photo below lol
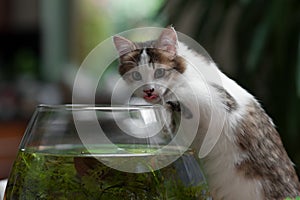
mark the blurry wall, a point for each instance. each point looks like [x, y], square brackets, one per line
[19, 61]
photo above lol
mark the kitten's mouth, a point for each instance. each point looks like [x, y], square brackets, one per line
[150, 97]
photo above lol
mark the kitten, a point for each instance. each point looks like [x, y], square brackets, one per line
[248, 160]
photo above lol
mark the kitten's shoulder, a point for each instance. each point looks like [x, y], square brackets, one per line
[189, 53]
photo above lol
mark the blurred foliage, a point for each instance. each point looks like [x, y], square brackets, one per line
[257, 43]
[133, 13]
[89, 27]
[94, 21]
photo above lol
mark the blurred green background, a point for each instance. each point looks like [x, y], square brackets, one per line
[43, 42]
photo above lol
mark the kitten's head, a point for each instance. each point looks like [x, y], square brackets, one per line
[150, 68]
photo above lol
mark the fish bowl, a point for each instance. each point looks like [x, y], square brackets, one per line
[104, 152]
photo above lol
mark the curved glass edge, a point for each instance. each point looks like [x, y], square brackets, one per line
[30, 125]
[100, 107]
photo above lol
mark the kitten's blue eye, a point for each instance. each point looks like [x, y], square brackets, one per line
[160, 72]
[136, 76]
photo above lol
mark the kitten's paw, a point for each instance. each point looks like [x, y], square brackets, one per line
[174, 106]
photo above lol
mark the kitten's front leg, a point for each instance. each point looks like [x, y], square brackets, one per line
[175, 110]
[176, 106]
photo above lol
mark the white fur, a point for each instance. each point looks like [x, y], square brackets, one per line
[219, 165]
[144, 60]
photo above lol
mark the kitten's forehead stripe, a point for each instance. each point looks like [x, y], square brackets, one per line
[144, 58]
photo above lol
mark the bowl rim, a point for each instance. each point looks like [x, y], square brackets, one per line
[96, 107]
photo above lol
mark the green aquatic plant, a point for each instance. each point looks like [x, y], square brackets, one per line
[45, 176]
[297, 198]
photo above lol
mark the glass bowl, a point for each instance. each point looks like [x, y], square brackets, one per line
[104, 152]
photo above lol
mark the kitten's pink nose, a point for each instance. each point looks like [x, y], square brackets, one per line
[149, 91]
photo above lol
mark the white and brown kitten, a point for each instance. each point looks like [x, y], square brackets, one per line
[248, 161]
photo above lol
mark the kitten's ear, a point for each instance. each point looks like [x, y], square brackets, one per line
[168, 40]
[123, 45]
